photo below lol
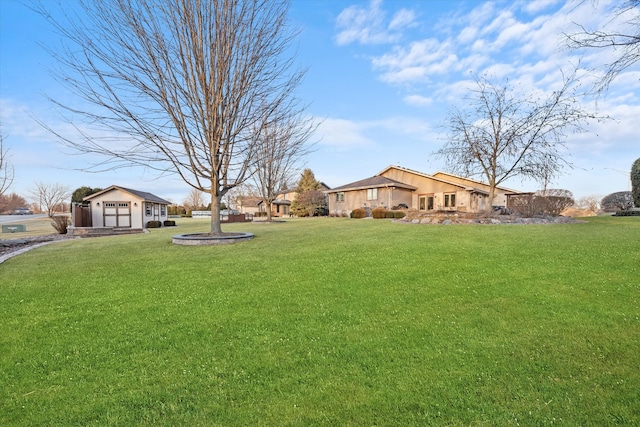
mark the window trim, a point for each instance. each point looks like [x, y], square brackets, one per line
[449, 200]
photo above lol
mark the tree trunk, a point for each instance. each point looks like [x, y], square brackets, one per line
[492, 194]
[216, 228]
[267, 205]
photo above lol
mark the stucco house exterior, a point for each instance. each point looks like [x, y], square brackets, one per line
[248, 204]
[120, 207]
[395, 186]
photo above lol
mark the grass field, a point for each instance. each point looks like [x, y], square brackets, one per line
[327, 322]
[35, 227]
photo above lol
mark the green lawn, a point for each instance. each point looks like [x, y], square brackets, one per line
[327, 321]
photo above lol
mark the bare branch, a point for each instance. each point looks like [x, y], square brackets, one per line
[502, 135]
[622, 47]
[7, 172]
[177, 86]
[50, 197]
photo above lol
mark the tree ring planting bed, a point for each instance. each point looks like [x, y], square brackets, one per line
[200, 239]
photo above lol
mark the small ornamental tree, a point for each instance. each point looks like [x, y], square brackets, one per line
[614, 202]
[635, 182]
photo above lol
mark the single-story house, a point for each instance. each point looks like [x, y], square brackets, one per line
[282, 204]
[397, 186]
[248, 204]
[121, 207]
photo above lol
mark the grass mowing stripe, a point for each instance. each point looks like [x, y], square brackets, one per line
[327, 321]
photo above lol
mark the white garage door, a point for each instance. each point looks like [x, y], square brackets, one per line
[117, 214]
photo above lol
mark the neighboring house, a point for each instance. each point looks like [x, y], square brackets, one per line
[248, 204]
[395, 186]
[121, 207]
[281, 206]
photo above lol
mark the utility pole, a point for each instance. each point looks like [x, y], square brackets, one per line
[627, 174]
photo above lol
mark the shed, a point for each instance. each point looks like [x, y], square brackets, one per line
[121, 207]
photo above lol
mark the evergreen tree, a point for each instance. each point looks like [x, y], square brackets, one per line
[635, 182]
[82, 192]
[307, 182]
[309, 201]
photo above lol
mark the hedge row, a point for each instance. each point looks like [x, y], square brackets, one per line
[377, 213]
[627, 213]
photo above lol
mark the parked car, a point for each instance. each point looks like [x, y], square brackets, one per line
[23, 211]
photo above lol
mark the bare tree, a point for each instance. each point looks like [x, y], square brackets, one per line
[621, 43]
[282, 142]
[11, 202]
[50, 196]
[502, 135]
[6, 170]
[194, 200]
[590, 203]
[182, 84]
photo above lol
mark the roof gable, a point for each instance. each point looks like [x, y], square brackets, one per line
[424, 175]
[146, 197]
[373, 182]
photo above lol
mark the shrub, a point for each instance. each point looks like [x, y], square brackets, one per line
[389, 214]
[634, 212]
[613, 202]
[154, 224]
[399, 214]
[358, 213]
[379, 213]
[554, 201]
[60, 223]
[549, 202]
[169, 223]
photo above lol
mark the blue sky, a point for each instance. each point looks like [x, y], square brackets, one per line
[382, 76]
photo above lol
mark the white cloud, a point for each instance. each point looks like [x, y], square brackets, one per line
[367, 25]
[402, 19]
[342, 134]
[418, 100]
[534, 7]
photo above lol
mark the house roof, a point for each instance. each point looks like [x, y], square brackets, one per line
[146, 197]
[277, 202]
[373, 182]
[505, 189]
[438, 176]
[248, 201]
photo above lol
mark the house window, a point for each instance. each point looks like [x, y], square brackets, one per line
[163, 210]
[340, 197]
[425, 203]
[147, 209]
[109, 205]
[450, 200]
[372, 194]
[123, 205]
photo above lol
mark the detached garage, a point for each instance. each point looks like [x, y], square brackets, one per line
[119, 207]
